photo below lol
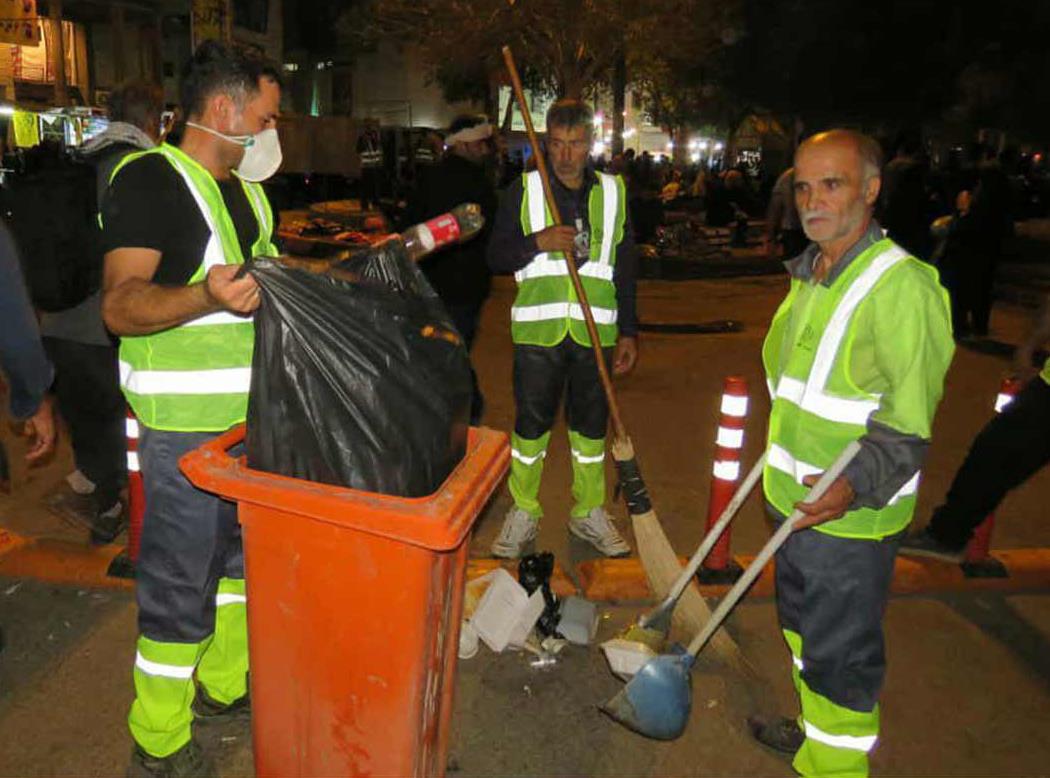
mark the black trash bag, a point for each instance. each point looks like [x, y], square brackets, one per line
[534, 572]
[360, 378]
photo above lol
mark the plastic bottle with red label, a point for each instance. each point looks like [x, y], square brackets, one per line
[461, 223]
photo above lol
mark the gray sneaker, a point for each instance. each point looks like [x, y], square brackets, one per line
[80, 483]
[598, 530]
[519, 529]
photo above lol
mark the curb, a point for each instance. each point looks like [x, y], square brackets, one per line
[77, 564]
[61, 562]
[600, 580]
[616, 580]
[561, 584]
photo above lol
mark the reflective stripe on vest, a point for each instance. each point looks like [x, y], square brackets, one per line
[820, 403]
[541, 268]
[560, 311]
[800, 446]
[811, 395]
[542, 264]
[780, 459]
[546, 308]
[231, 380]
[371, 158]
[195, 377]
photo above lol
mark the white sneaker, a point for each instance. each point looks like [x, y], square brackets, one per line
[519, 529]
[598, 530]
[80, 483]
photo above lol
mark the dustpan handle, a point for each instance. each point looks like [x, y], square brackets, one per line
[712, 536]
[772, 546]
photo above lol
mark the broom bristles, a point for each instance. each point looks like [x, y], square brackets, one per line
[662, 568]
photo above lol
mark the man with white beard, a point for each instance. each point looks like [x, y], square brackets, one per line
[857, 351]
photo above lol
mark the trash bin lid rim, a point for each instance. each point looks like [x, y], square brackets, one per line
[439, 521]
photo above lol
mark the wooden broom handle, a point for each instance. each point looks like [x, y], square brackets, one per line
[588, 316]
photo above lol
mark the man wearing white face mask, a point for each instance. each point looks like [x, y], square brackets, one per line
[177, 224]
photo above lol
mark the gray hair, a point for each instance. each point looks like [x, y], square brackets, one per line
[570, 113]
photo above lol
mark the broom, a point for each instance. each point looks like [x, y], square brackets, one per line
[658, 559]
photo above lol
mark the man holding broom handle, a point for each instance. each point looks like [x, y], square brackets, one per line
[857, 351]
[553, 353]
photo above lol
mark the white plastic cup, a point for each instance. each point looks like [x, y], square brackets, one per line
[468, 640]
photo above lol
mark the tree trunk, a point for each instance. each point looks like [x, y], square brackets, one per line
[619, 90]
[679, 137]
[573, 90]
[571, 86]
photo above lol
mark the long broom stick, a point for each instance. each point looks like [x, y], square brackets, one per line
[654, 550]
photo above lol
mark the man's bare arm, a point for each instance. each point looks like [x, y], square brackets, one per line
[133, 305]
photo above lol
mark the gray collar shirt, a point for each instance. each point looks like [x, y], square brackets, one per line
[801, 267]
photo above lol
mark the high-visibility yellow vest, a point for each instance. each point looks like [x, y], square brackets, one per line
[195, 377]
[372, 155]
[813, 354]
[546, 307]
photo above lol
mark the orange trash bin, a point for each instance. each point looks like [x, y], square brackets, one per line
[354, 607]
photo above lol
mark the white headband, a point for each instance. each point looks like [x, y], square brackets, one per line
[468, 134]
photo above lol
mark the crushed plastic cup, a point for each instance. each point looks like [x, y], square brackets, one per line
[468, 641]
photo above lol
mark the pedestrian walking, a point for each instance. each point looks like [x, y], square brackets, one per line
[87, 383]
[1011, 448]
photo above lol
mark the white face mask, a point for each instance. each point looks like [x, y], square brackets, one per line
[262, 152]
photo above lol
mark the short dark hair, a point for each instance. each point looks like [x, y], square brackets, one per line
[139, 103]
[215, 67]
[570, 113]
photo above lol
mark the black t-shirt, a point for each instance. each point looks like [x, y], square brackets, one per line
[148, 205]
[459, 274]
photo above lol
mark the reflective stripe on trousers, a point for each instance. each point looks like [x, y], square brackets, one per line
[588, 473]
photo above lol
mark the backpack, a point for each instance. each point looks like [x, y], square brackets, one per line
[52, 211]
